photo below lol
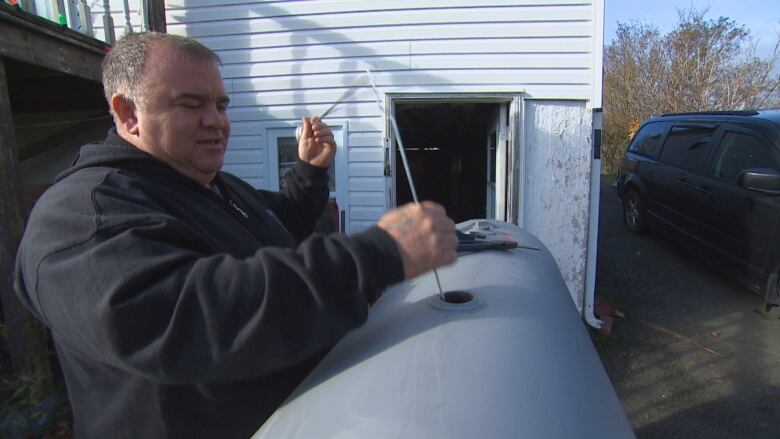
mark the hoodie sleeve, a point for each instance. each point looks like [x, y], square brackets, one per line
[147, 295]
[300, 204]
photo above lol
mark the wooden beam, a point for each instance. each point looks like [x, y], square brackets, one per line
[71, 133]
[11, 221]
[37, 41]
[26, 337]
[157, 16]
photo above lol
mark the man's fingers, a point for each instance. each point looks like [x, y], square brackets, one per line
[306, 131]
[321, 132]
[424, 234]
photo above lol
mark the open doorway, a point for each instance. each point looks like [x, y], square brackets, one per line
[455, 155]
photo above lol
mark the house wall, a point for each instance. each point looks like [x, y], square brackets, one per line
[283, 60]
[557, 184]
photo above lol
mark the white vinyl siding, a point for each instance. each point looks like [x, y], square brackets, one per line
[283, 60]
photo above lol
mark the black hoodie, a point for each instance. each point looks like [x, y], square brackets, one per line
[179, 311]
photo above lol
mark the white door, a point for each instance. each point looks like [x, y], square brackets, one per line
[496, 150]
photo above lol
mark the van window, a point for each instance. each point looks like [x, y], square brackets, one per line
[648, 140]
[739, 151]
[687, 147]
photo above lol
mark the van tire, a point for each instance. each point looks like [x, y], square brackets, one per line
[634, 212]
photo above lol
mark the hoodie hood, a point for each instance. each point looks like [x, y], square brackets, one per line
[113, 151]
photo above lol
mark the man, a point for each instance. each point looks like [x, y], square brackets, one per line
[182, 302]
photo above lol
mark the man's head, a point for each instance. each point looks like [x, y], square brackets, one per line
[167, 98]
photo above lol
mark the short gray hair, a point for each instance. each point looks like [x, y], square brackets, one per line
[123, 66]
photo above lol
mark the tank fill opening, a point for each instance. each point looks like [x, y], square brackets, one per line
[458, 297]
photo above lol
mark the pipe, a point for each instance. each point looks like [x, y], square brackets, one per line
[593, 225]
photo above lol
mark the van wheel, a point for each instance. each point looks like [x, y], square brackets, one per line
[634, 212]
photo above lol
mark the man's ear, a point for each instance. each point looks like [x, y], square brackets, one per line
[125, 111]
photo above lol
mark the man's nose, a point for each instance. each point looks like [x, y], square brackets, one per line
[214, 117]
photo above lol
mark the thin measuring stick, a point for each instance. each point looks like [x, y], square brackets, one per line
[350, 90]
[401, 148]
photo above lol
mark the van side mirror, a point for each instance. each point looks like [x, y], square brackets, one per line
[761, 180]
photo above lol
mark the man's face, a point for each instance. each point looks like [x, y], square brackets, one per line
[183, 121]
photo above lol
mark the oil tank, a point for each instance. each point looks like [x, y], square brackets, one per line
[507, 356]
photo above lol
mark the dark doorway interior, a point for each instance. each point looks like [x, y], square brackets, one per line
[446, 147]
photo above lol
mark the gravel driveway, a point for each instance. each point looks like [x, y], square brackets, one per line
[691, 358]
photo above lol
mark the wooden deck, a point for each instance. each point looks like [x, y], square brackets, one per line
[46, 72]
[28, 38]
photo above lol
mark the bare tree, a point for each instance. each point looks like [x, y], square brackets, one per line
[700, 65]
[632, 73]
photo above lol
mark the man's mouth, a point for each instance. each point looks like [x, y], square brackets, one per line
[214, 141]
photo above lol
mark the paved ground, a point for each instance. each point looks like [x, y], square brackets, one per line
[691, 359]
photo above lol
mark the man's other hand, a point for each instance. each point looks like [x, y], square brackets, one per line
[316, 145]
[425, 236]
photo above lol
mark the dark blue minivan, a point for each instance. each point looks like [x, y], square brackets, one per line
[711, 182]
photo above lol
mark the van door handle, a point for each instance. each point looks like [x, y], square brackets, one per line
[683, 182]
[703, 189]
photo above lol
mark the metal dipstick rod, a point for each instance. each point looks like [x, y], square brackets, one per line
[397, 133]
[350, 90]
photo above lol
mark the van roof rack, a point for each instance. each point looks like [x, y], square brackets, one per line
[719, 113]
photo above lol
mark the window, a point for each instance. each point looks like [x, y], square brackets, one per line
[287, 152]
[740, 151]
[648, 140]
[287, 155]
[281, 151]
[687, 147]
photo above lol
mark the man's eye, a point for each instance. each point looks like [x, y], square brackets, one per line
[189, 104]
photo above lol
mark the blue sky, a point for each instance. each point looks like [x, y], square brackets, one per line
[761, 17]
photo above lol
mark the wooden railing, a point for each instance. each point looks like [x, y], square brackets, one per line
[81, 15]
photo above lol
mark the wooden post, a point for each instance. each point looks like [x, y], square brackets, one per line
[25, 335]
[108, 24]
[157, 16]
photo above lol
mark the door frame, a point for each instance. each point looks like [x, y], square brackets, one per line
[512, 155]
[490, 190]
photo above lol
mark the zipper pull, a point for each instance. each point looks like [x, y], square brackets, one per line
[238, 209]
